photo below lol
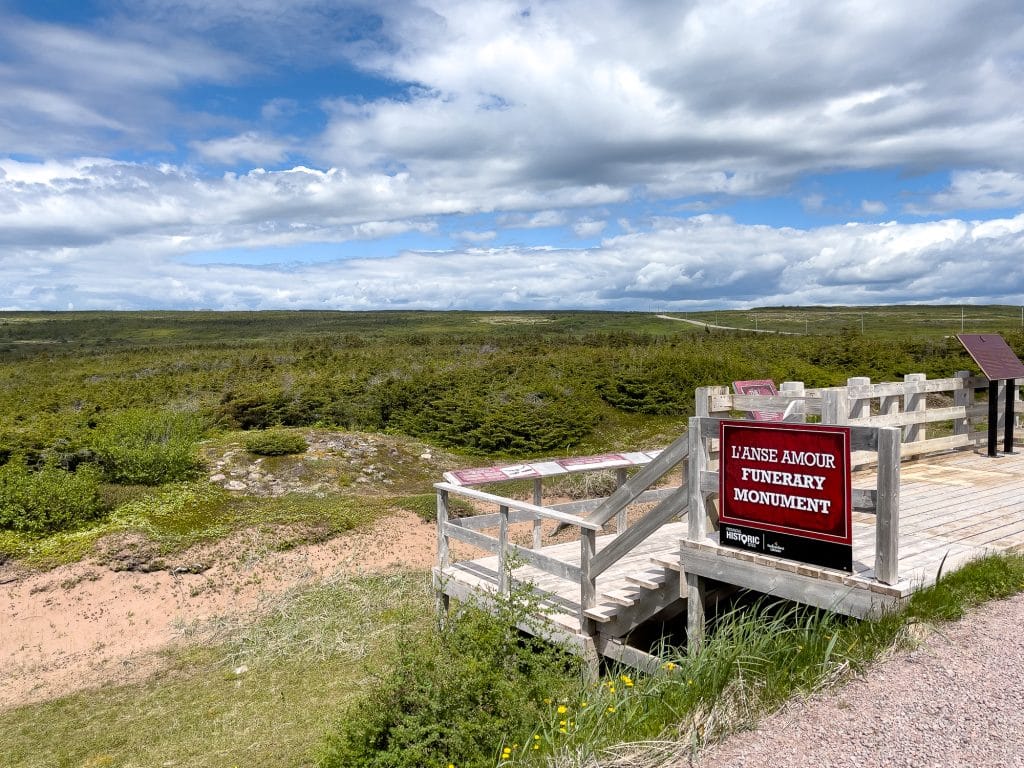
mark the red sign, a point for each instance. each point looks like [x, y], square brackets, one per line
[784, 487]
[759, 387]
[481, 475]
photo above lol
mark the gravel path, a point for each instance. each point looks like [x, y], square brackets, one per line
[957, 700]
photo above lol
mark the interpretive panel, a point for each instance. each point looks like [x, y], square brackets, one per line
[759, 387]
[785, 491]
[993, 355]
[550, 468]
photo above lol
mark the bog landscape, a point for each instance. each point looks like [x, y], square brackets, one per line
[217, 528]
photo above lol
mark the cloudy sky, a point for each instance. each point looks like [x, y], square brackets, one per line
[435, 154]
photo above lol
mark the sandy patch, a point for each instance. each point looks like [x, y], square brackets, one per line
[85, 625]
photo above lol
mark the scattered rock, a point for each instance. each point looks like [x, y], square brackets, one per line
[235, 485]
[129, 552]
[194, 568]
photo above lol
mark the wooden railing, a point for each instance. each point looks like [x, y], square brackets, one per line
[638, 489]
[902, 404]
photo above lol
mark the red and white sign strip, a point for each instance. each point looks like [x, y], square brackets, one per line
[785, 491]
[497, 474]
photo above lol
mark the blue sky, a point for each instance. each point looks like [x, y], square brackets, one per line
[606, 154]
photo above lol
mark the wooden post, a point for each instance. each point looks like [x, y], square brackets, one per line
[538, 499]
[860, 407]
[1009, 387]
[795, 389]
[443, 547]
[503, 575]
[887, 511]
[835, 408]
[963, 398]
[914, 399]
[588, 583]
[697, 528]
[993, 418]
[621, 517]
[696, 620]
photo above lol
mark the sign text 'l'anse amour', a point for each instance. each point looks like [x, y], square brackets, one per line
[785, 491]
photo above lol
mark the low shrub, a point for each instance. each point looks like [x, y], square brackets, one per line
[275, 442]
[48, 500]
[146, 447]
[453, 696]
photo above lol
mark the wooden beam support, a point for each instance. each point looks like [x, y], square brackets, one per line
[887, 522]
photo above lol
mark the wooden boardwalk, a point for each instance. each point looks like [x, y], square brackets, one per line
[954, 508]
[926, 501]
[650, 568]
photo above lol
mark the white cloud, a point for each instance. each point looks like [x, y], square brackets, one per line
[688, 98]
[586, 227]
[537, 220]
[250, 147]
[470, 236]
[66, 90]
[683, 262]
[531, 120]
[978, 189]
[814, 202]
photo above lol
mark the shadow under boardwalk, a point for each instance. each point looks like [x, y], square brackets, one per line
[640, 586]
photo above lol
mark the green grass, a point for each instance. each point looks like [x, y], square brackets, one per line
[178, 516]
[303, 662]
[269, 693]
[754, 661]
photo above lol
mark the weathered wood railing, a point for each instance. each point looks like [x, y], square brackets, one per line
[671, 502]
[902, 404]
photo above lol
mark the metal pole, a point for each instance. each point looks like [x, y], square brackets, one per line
[993, 418]
[1011, 386]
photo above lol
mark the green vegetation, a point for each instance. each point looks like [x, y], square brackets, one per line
[145, 447]
[107, 421]
[454, 694]
[275, 442]
[258, 694]
[464, 695]
[319, 679]
[49, 499]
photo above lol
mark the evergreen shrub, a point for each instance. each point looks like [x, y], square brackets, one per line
[144, 447]
[454, 695]
[275, 442]
[48, 500]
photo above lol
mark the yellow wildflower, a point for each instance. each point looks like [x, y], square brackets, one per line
[562, 709]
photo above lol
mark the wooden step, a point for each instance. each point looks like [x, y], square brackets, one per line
[602, 613]
[624, 597]
[668, 561]
[649, 579]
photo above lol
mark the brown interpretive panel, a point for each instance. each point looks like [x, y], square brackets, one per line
[993, 355]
